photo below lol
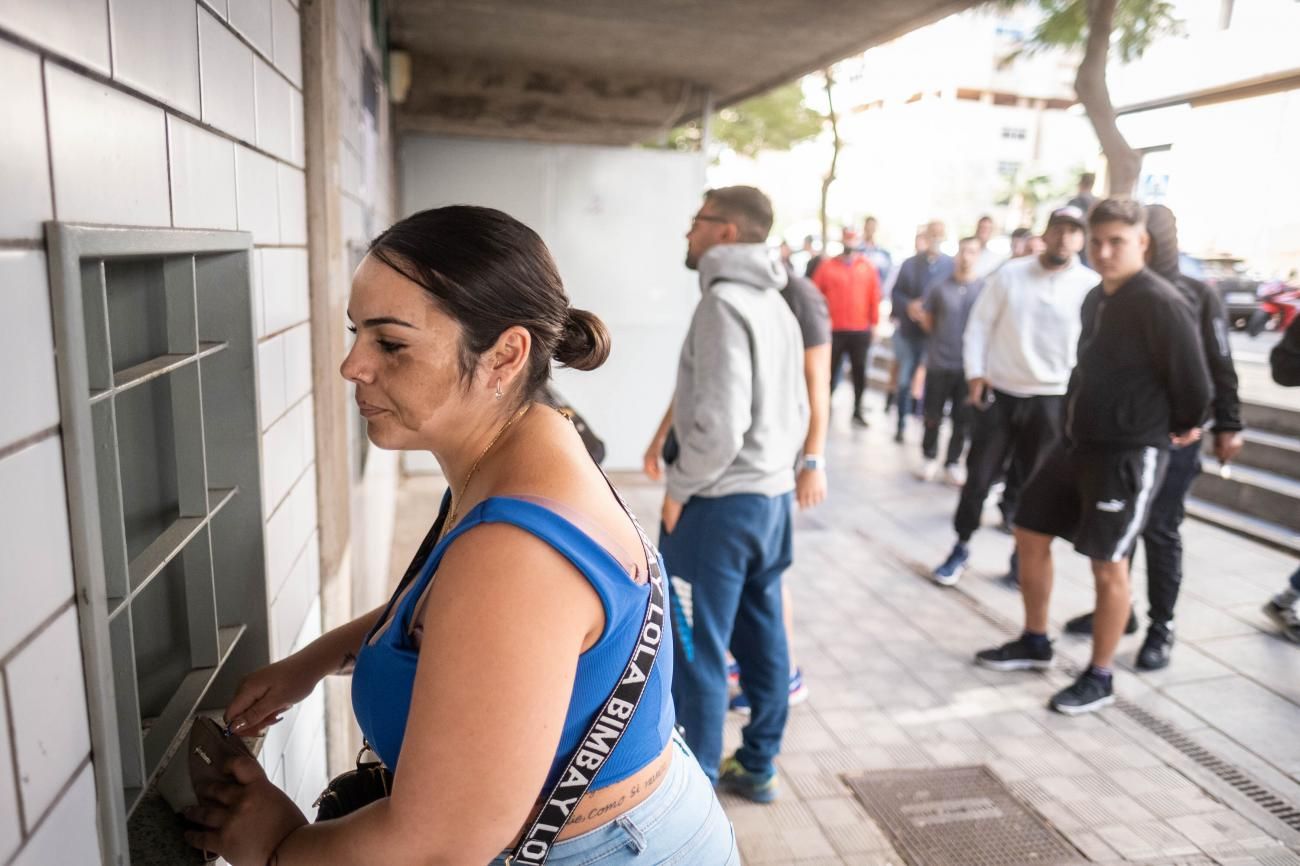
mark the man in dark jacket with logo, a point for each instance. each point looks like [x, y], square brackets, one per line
[1140, 384]
[1161, 539]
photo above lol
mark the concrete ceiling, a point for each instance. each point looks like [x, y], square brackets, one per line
[620, 71]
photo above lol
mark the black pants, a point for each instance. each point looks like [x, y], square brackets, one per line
[856, 344]
[943, 387]
[1022, 428]
[1163, 543]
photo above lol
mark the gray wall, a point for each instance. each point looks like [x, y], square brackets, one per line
[615, 219]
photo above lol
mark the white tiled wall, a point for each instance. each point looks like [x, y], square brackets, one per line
[207, 133]
[271, 89]
[252, 18]
[257, 195]
[202, 177]
[226, 71]
[11, 832]
[33, 404]
[51, 733]
[108, 150]
[67, 834]
[25, 169]
[76, 29]
[171, 75]
[34, 529]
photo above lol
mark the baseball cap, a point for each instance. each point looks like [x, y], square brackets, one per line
[1069, 214]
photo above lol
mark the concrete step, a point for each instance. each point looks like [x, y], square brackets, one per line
[1271, 419]
[1252, 492]
[1263, 531]
[1272, 452]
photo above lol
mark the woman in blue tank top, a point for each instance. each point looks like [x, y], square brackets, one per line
[481, 677]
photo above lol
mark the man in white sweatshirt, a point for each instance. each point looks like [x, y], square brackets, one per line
[1018, 351]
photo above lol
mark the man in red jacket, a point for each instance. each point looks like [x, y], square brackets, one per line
[852, 289]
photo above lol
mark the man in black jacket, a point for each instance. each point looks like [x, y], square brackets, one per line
[1140, 383]
[1161, 539]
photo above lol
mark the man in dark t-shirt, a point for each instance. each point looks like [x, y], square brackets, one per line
[945, 311]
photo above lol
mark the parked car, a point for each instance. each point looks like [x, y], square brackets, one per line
[1230, 277]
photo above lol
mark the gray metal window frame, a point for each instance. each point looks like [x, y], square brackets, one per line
[196, 265]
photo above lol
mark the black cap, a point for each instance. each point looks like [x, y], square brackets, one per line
[1068, 214]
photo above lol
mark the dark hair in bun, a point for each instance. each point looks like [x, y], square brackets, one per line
[585, 344]
[490, 272]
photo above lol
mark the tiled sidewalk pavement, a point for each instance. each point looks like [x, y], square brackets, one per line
[887, 655]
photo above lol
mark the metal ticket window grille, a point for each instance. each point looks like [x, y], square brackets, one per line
[156, 362]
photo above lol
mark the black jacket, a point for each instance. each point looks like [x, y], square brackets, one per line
[1207, 306]
[1141, 373]
[1285, 357]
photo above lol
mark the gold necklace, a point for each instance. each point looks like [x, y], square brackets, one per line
[455, 504]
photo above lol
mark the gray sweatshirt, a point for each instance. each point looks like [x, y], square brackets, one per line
[741, 408]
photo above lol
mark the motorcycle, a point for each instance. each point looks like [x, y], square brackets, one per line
[1279, 303]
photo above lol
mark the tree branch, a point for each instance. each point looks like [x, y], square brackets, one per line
[835, 152]
[1123, 162]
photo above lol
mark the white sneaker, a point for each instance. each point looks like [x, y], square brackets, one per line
[954, 474]
[929, 470]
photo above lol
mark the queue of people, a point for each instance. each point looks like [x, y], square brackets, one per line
[599, 736]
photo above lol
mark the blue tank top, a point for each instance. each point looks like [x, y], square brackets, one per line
[384, 673]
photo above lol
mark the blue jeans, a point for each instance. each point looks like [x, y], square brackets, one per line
[1295, 580]
[910, 354]
[681, 822]
[725, 559]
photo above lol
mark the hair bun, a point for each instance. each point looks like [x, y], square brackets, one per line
[585, 344]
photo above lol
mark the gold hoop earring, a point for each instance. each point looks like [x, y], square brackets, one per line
[499, 395]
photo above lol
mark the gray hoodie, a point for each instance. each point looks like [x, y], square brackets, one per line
[740, 412]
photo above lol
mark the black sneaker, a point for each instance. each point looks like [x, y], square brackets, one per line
[1082, 624]
[859, 420]
[1159, 642]
[1019, 655]
[1088, 694]
[898, 436]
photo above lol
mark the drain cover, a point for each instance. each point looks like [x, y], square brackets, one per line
[959, 816]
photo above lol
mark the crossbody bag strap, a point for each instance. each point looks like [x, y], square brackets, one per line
[606, 731]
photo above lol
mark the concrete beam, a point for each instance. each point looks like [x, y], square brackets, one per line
[478, 98]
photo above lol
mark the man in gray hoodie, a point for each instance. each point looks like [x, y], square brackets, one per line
[739, 417]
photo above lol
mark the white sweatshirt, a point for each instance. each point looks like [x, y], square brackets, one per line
[1023, 331]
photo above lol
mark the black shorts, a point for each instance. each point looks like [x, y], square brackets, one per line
[1099, 500]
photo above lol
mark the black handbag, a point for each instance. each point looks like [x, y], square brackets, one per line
[369, 782]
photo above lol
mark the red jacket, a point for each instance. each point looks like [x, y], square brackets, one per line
[852, 290]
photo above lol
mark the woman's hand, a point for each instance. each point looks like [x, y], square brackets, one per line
[267, 692]
[246, 819]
